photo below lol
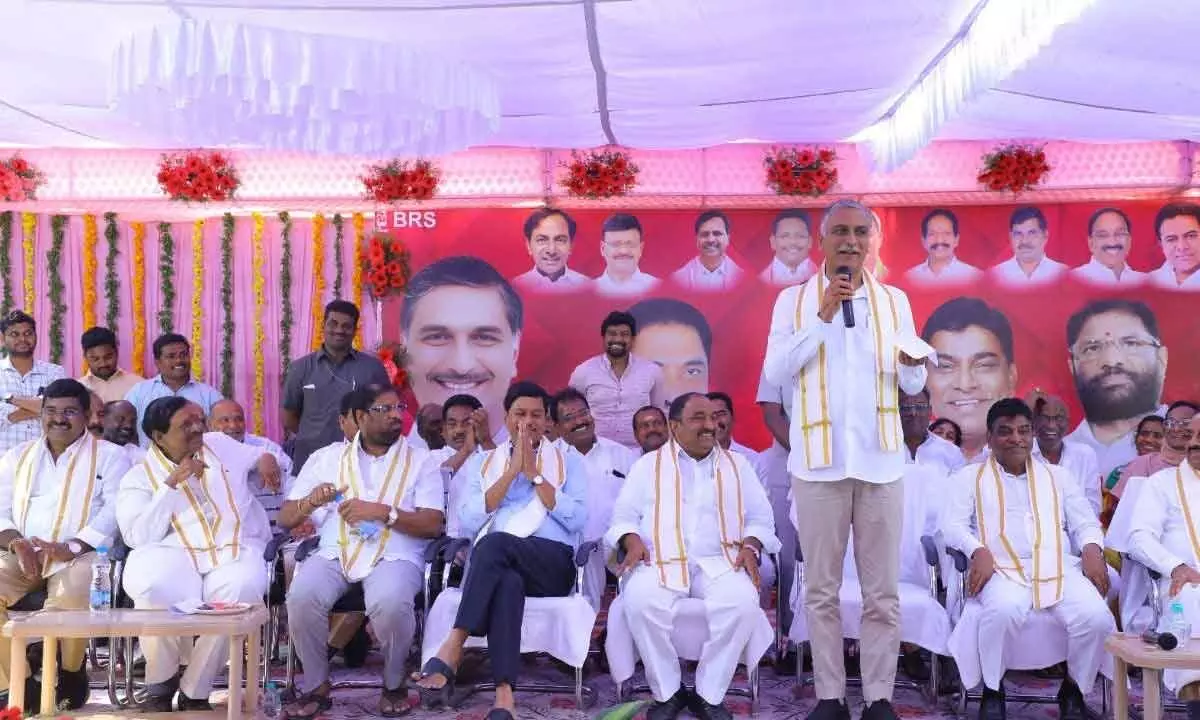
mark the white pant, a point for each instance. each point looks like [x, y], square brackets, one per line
[1190, 597]
[1002, 609]
[157, 577]
[732, 606]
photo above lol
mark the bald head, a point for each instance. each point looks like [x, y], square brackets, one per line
[120, 423]
[228, 417]
[429, 425]
[1051, 419]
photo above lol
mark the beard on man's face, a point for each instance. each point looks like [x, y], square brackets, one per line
[1104, 404]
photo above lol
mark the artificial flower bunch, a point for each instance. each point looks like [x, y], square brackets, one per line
[19, 180]
[1014, 167]
[600, 174]
[801, 171]
[399, 180]
[198, 176]
[386, 266]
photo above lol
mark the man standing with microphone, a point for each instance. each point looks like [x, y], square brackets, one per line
[844, 344]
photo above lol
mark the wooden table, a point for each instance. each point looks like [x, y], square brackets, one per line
[243, 630]
[1130, 650]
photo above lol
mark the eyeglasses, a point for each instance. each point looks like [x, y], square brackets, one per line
[912, 410]
[65, 413]
[577, 415]
[1176, 423]
[1126, 346]
[387, 409]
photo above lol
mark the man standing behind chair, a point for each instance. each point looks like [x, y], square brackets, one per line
[616, 382]
[847, 449]
[21, 379]
[526, 502]
[707, 542]
[104, 377]
[173, 356]
[197, 535]
[228, 417]
[315, 383]
[393, 505]
[1028, 567]
[711, 270]
[57, 505]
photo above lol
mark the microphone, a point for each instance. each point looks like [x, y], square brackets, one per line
[1164, 640]
[847, 305]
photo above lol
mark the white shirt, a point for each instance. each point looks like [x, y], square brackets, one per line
[639, 283]
[134, 453]
[535, 282]
[424, 490]
[49, 479]
[1164, 277]
[755, 458]
[269, 499]
[850, 355]
[1009, 272]
[940, 452]
[694, 276]
[634, 510]
[1080, 461]
[453, 482]
[1095, 273]
[607, 466]
[956, 272]
[1111, 455]
[1159, 536]
[960, 527]
[780, 275]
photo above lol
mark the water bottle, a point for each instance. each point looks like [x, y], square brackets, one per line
[1177, 623]
[366, 530]
[272, 703]
[100, 597]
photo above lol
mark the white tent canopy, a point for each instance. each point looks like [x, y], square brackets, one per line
[653, 74]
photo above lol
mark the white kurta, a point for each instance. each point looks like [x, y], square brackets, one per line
[535, 282]
[1003, 608]
[1160, 538]
[734, 619]
[956, 272]
[1100, 275]
[940, 452]
[639, 283]
[1010, 273]
[1080, 461]
[1164, 277]
[694, 276]
[779, 274]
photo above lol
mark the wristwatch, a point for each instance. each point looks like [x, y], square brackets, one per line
[538, 479]
[8, 398]
[393, 516]
[75, 547]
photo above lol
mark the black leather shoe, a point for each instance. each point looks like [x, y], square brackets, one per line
[670, 708]
[72, 690]
[1071, 705]
[703, 710]
[156, 704]
[1193, 709]
[991, 705]
[187, 703]
[879, 710]
[830, 710]
[912, 662]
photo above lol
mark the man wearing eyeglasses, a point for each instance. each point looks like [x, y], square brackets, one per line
[1109, 241]
[57, 504]
[621, 247]
[21, 379]
[1119, 364]
[375, 504]
[923, 446]
[1176, 436]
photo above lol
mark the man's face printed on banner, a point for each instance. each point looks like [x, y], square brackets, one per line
[550, 245]
[622, 251]
[791, 241]
[972, 374]
[1110, 241]
[1028, 241]
[678, 349]
[1118, 368]
[712, 240]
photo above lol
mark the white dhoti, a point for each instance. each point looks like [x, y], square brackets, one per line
[158, 576]
[733, 615]
[1190, 597]
[985, 640]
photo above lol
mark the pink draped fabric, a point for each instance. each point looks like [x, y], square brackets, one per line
[303, 286]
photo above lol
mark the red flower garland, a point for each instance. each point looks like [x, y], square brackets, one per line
[386, 266]
[19, 180]
[401, 180]
[600, 174]
[198, 176]
[1014, 167]
[394, 357]
[801, 172]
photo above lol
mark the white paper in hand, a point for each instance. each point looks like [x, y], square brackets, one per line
[916, 348]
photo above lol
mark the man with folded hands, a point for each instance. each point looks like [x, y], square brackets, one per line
[376, 503]
[693, 520]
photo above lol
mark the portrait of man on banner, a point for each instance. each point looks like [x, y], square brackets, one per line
[675, 335]
[549, 240]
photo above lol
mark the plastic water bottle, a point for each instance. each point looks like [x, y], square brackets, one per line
[366, 530]
[100, 597]
[1178, 625]
[272, 703]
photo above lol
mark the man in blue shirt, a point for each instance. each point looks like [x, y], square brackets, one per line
[525, 501]
[173, 357]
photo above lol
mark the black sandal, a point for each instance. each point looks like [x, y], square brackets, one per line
[396, 703]
[321, 703]
[432, 698]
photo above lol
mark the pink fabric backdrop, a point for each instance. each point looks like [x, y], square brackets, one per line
[243, 295]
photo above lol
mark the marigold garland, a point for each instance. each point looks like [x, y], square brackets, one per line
[1013, 167]
[6, 236]
[318, 271]
[339, 247]
[139, 297]
[227, 227]
[803, 171]
[197, 298]
[356, 271]
[286, 313]
[260, 333]
[58, 308]
[112, 281]
[166, 275]
[91, 235]
[600, 174]
[28, 243]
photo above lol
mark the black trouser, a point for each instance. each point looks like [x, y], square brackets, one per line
[504, 570]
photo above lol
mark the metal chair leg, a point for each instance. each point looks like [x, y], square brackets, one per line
[752, 677]
[579, 688]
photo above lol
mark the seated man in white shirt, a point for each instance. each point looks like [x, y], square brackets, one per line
[376, 505]
[1051, 423]
[924, 446]
[700, 546]
[650, 428]
[120, 429]
[70, 475]
[197, 535]
[1017, 518]
[228, 417]
[1162, 537]
[465, 432]
[607, 464]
